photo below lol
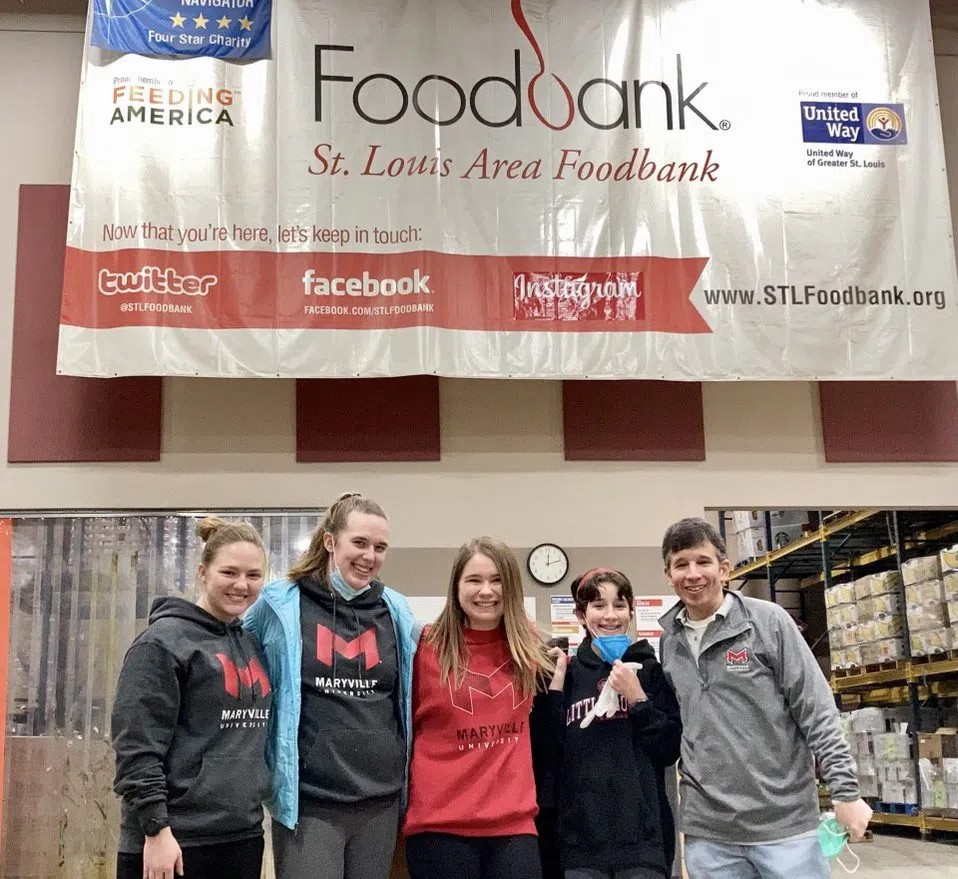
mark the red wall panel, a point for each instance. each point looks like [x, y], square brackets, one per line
[889, 422]
[633, 421]
[54, 418]
[368, 419]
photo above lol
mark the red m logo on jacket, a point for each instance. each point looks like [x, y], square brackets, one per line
[234, 676]
[491, 685]
[364, 645]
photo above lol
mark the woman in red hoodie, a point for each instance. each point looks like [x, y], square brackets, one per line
[472, 794]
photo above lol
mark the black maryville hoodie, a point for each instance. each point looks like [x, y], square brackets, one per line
[189, 729]
[611, 802]
[350, 745]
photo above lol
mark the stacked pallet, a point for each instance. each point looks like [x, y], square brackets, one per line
[884, 759]
[931, 597]
[866, 620]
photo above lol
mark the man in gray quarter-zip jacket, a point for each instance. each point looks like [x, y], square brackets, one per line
[756, 712]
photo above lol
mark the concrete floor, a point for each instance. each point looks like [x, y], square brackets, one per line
[903, 857]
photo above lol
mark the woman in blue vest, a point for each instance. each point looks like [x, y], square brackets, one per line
[339, 649]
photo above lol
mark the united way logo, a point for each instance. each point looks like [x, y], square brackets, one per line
[737, 660]
[841, 122]
[884, 124]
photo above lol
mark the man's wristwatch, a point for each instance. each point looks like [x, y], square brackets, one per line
[152, 826]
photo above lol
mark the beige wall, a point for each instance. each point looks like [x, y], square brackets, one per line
[426, 572]
[230, 444]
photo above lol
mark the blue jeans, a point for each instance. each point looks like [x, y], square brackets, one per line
[705, 859]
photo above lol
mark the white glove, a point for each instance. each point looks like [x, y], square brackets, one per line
[608, 702]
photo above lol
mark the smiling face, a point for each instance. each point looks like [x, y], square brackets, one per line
[232, 580]
[480, 593]
[359, 550]
[608, 613]
[698, 578]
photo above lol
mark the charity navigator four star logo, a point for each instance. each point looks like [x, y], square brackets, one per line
[221, 28]
[200, 22]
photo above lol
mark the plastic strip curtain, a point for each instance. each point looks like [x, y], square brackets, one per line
[81, 589]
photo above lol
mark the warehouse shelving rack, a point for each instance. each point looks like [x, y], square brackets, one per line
[851, 544]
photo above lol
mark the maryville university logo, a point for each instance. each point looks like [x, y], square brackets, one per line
[248, 677]
[491, 686]
[363, 645]
[737, 660]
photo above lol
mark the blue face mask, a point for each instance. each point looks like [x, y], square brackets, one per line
[611, 647]
[343, 589]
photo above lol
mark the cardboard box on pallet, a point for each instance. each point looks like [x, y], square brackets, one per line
[886, 650]
[928, 590]
[868, 720]
[841, 614]
[949, 769]
[892, 792]
[890, 603]
[948, 559]
[892, 747]
[937, 745]
[868, 786]
[753, 542]
[861, 743]
[840, 593]
[862, 588]
[905, 772]
[921, 569]
[929, 614]
[888, 625]
[884, 583]
[949, 585]
[847, 657]
[932, 642]
[743, 519]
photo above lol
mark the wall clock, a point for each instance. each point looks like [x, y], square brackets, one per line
[548, 564]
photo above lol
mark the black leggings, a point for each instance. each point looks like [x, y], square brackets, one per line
[446, 856]
[226, 860]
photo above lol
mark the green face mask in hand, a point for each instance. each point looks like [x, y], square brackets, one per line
[833, 839]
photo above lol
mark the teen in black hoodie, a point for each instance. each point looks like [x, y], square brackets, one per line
[611, 801]
[189, 725]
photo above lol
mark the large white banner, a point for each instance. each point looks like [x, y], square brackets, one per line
[677, 189]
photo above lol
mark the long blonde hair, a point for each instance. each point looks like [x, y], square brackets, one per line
[530, 658]
[315, 560]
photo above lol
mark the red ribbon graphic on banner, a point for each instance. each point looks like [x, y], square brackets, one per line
[248, 289]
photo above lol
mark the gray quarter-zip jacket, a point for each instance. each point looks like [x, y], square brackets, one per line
[756, 709]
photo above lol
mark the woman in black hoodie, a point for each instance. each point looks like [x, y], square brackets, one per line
[611, 805]
[189, 724]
